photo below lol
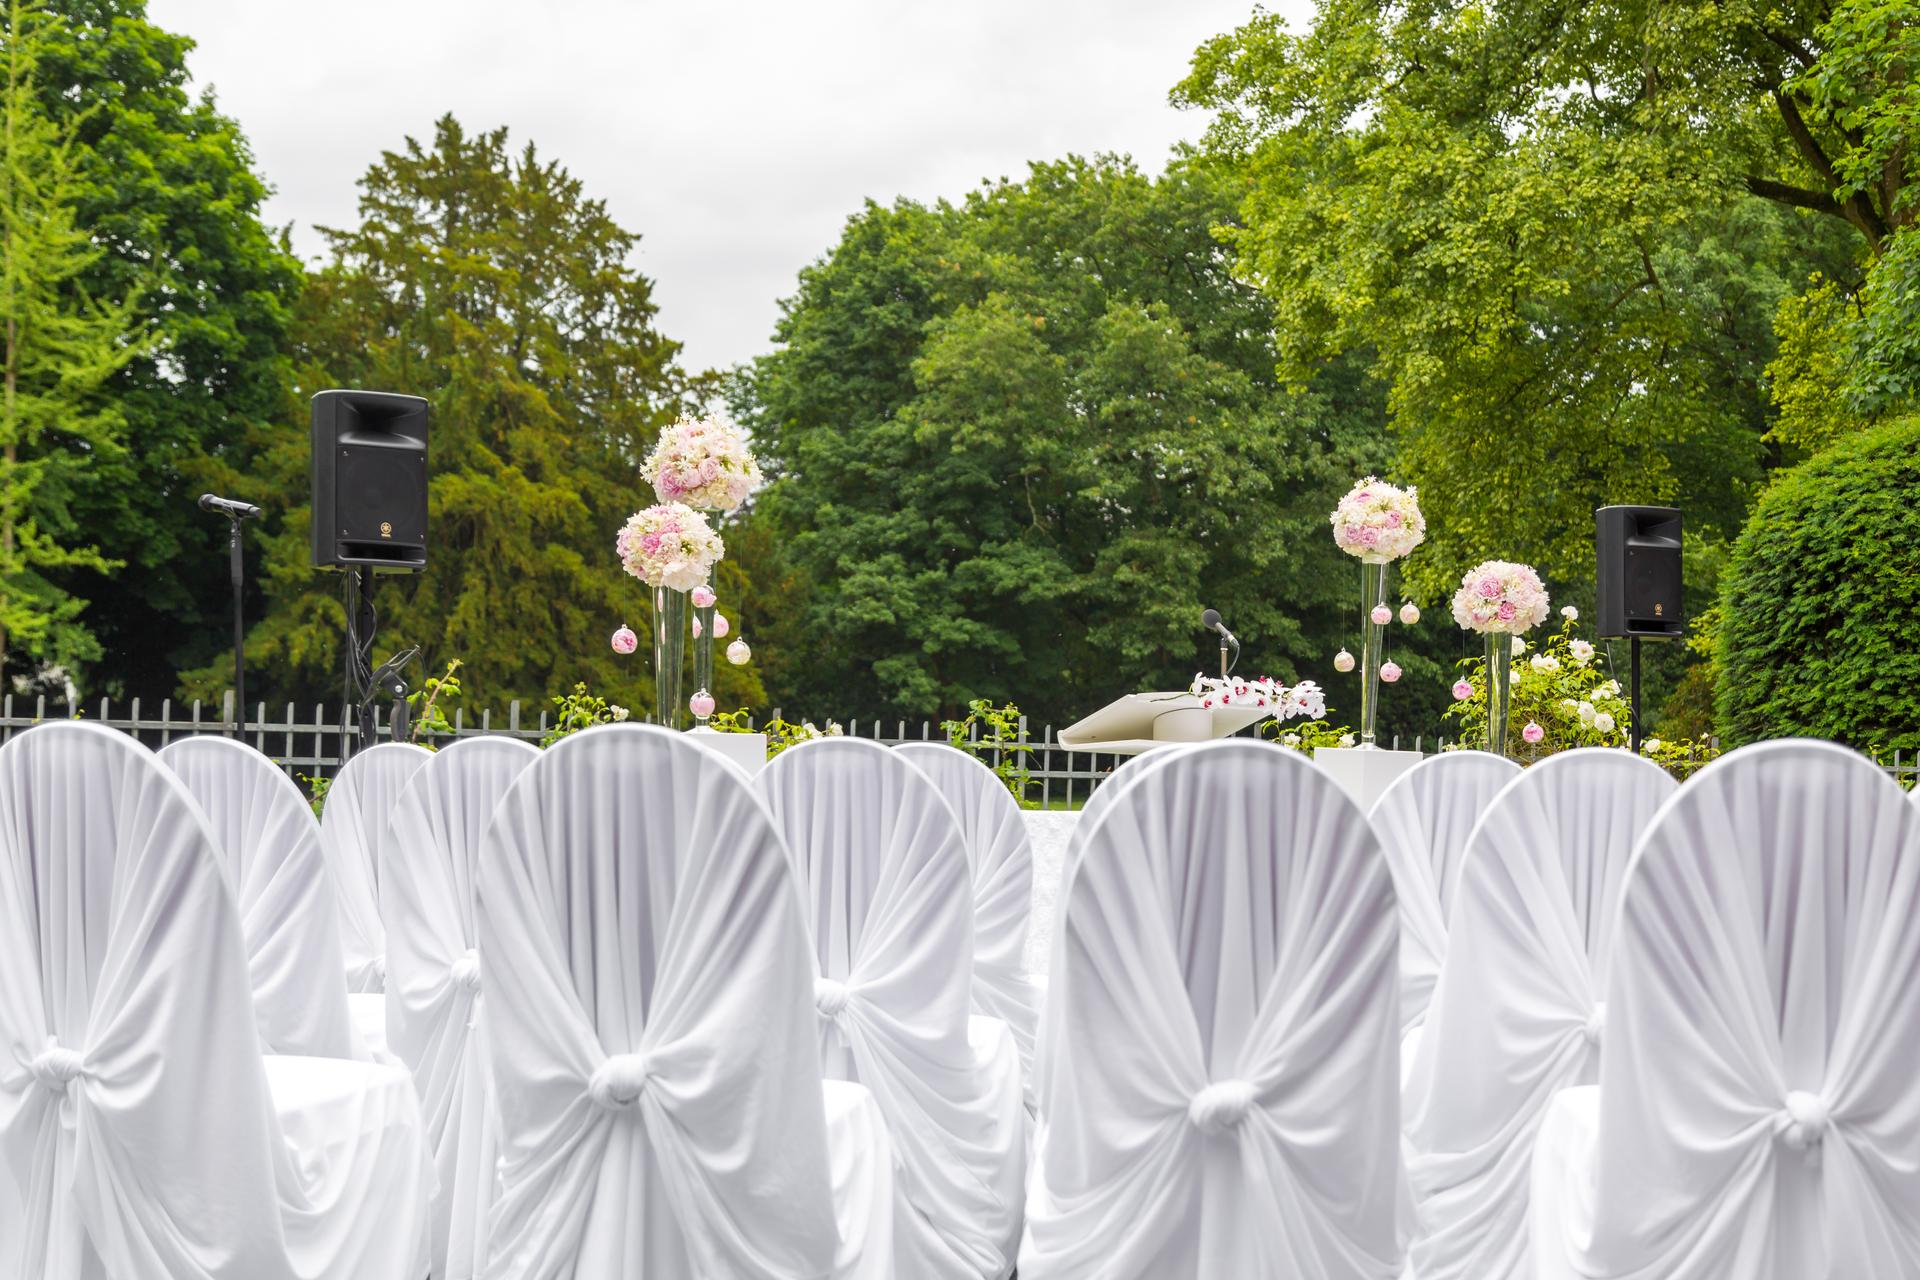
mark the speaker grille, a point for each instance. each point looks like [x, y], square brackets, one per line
[380, 496]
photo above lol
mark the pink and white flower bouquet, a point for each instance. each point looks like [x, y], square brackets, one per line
[702, 462]
[1499, 596]
[1285, 702]
[670, 545]
[1378, 522]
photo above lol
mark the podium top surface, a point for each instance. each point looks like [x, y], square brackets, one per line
[1140, 722]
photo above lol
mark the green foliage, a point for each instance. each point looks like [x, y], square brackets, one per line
[1016, 441]
[428, 704]
[60, 348]
[486, 279]
[1307, 736]
[1817, 636]
[1563, 685]
[167, 194]
[1560, 231]
[579, 710]
[317, 789]
[1681, 757]
[996, 737]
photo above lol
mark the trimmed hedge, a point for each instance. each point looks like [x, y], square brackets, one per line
[1821, 629]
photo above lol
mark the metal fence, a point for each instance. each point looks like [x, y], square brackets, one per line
[311, 742]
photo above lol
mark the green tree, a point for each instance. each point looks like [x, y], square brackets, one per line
[1563, 229]
[488, 281]
[1017, 442]
[1816, 630]
[62, 346]
[166, 190]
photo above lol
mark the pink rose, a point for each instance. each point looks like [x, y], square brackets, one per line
[1489, 587]
[1507, 611]
[1393, 519]
[1370, 537]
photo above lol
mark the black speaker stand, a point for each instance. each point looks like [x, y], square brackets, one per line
[1636, 735]
[362, 624]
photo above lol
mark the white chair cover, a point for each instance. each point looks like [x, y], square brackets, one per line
[353, 827]
[269, 844]
[651, 1032]
[1222, 1098]
[136, 1114]
[996, 840]
[1757, 1116]
[1516, 1015]
[884, 886]
[1423, 819]
[428, 868]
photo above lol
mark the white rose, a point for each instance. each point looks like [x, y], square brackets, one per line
[1607, 689]
[619, 712]
[1586, 713]
[1581, 650]
[1651, 745]
[1292, 739]
[1519, 646]
[1346, 739]
[1603, 722]
[833, 729]
[1570, 613]
[1545, 662]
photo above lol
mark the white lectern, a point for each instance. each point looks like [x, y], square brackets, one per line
[1142, 721]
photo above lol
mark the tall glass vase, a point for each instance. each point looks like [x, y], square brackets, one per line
[703, 655]
[669, 655]
[1499, 686]
[1373, 594]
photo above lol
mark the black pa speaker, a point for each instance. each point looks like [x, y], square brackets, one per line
[369, 480]
[1639, 589]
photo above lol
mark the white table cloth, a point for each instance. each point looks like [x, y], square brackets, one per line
[1517, 1014]
[353, 827]
[885, 888]
[1757, 1116]
[136, 1114]
[650, 1025]
[1221, 1091]
[269, 844]
[996, 840]
[428, 869]
[1423, 820]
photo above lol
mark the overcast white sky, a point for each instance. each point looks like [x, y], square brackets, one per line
[736, 138]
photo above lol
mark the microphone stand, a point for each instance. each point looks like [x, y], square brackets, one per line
[236, 558]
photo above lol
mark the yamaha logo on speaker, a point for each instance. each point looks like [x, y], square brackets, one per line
[386, 528]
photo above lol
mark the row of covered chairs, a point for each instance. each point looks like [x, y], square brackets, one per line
[664, 1021]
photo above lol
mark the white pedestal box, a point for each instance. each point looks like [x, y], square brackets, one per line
[1364, 772]
[748, 750]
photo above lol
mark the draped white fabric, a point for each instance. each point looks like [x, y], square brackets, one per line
[136, 1115]
[269, 843]
[884, 884]
[1423, 819]
[353, 826]
[1756, 1116]
[996, 842]
[1517, 1015]
[427, 894]
[650, 1026]
[1221, 1031]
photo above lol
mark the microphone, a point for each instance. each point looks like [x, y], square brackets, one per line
[1210, 619]
[229, 508]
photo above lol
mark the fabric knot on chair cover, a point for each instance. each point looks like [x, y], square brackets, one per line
[465, 971]
[1595, 1024]
[56, 1066]
[617, 1082]
[830, 997]
[1805, 1119]
[1220, 1106]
